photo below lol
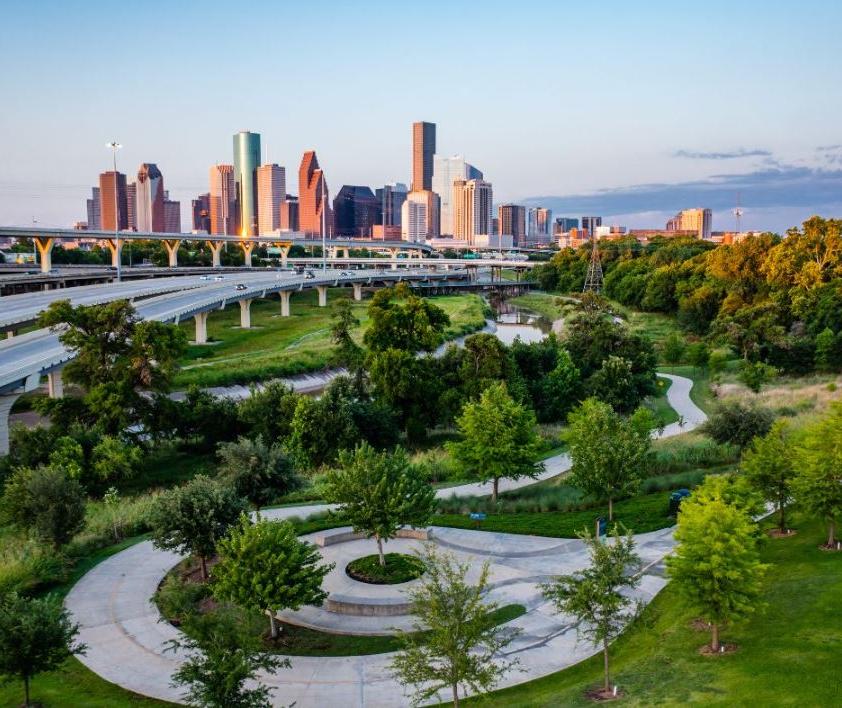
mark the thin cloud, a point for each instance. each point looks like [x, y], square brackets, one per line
[742, 152]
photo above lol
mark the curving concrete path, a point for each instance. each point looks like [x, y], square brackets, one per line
[125, 635]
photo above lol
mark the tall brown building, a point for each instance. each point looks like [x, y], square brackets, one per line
[423, 149]
[313, 199]
[113, 217]
[512, 220]
[289, 214]
[223, 200]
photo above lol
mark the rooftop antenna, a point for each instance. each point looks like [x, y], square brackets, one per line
[738, 214]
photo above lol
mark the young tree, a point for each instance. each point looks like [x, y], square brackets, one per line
[398, 319]
[36, 635]
[346, 351]
[379, 492]
[263, 566]
[256, 471]
[458, 648]
[756, 374]
[716, 564]
[769, 467]
[673, 348]
[698, 355]
[114, 459]
[818, 484]
[220, 663]
[613, 383]
[498, 439]
[192, 518]
[609, 452]
[736, 423]
[268, 410]
[595, 597]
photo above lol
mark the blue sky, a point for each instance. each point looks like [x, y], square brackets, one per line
[629, 109]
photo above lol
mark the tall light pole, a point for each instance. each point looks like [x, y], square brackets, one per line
[115, 146]
[324, 233]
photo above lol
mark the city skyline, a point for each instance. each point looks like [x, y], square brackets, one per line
[598, 142]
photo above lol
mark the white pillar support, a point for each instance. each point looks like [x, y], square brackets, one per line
[358, 291]
[116, 251]
[10, 333]
[55, 383]
[172, 244]
[322, 289]
[216, 252]
[7, 400]
[44, 244]
[286, 295]
[201, 320]
[248, 247]
[284, 254]
[245, 314]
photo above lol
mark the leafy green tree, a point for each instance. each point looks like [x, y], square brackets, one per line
[400, 320]
[756, 374]
[827, 350]
[258, 472]
[561, 389]
[67, 454]
[379, 492]
[498, 439]
[818, 484]
[221, 665]
[458, 648]
[769, 467]
[716, 564]
[673, 348]
[698, 355]
[206, 419]
[595, 597]
[737, 423]
[613, 383]
[264, 566]
[194, 517]
[609, 452]
[36, 635]
[114, 459]
[346, 351]
[268, 411]
[485, 360]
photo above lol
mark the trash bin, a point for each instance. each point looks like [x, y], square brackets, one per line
[676, 498]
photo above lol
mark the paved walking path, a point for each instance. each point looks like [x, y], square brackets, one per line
[125, 635]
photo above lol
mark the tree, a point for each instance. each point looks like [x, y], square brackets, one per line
[268, 410]
[192, 518]
[265, 567]
[613, 383]
[36, 635]
[379, 492]
[756, 374]
[459, 647]
[207, 418]
[498, 439]
[818, 484]
[256, 471]
[698, 355]
[827, 350]
[716, 564]
[114, 459]
[673, 348]
[67, 454]
[400, 320]
[220, 663]
[736, 423]
[346, 351]
[594, 596]
[485, 360]
[609, 452]
[769, 467]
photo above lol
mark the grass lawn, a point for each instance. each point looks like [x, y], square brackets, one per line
[788, 655]
[659, 405]
[167, 466]
[284, 346]
[399, 568]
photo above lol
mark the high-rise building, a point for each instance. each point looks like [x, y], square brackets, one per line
[223, 200]
[512, 219]
[589, 224]
[355, 211]
[423, 149]
[93, 210]
[246, 162]
[289, 214]
[172, 216]
[391, 198]
[313, 197]
[472, 209]
[414, 226]
[539, 229]
[200, 209]
[114, 211]
[149, 198]
[446, 170]
[271, 191]
[563, 224]
[698, 220]
[131, 205]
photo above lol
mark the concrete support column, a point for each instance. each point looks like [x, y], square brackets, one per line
[55, 384]
[172, 245]
[248, 247]
[201, 320]
[322, 289]
[7, 400]
[116, 251]
[284, 255]
[10, 333]
[358, 291]
[245, 314]
[44, 245]
[285, 298]
[216, 252]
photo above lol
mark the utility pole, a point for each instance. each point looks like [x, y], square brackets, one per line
[115, 146]
[593, 280]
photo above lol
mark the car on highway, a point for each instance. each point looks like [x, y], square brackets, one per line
[309, 275]
[241, 286]
[204, 277]
[345, 274]
[219, 277]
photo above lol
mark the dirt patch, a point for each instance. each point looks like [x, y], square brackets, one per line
[600, 695]
[834, 548]
[699, 625]
[706, 650]
[777, 533]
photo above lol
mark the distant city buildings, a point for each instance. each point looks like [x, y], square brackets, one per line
[589, 225]
[415, 217]
[446, 170]
[172, 215]
[246, 162]
[391, 198]
[313, 199]
[539, 228]
[114, 211]
[149, 199]
[289, 213]
[93, 210]
[223, 200]
[563, 224]
[472, 209]
[355, 211]
[423, 149]
[512, 222]
[699, 221]
[200, 211]
[271, 192]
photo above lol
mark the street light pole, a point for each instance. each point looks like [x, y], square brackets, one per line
[115, 146]
[324, 234]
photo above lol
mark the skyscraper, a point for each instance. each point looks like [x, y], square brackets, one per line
[246, 162]
[414, 225]
[172, 216]
[289, 214]
[472, 209]
[589, 224]
[355, 211]
[445, 171]
[149, 196]
[540, 225]
[93, 210]
[563, 224]
[698, 220]
[512, 218]
[391, 197]
[114, 215]
[200, 208]
[131, 206]
[223, 200]
[271, 191]
[313, 197]
[423, 149]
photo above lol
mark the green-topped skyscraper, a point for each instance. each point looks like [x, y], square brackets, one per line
[246, 162]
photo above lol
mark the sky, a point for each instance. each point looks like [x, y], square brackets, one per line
[628, 109]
